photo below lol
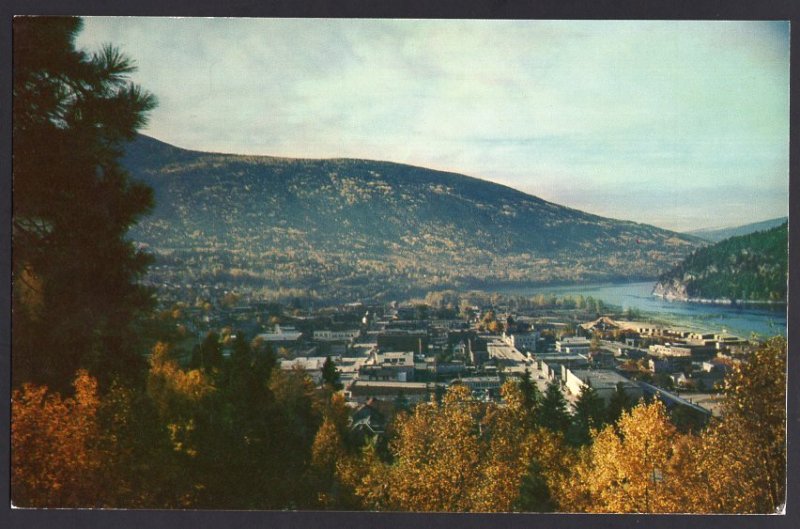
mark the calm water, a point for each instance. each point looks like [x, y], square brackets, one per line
[761, 320]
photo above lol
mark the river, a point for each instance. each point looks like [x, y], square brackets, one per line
[765, 321]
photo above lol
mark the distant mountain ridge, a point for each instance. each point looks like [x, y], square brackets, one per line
[345, 228]
[718, 234]
[748, 268]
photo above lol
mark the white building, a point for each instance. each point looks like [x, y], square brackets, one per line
[573, 344]
[522, 341]
[604, 382]
[281, 334]
[336, 336]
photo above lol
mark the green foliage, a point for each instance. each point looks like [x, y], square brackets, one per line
[534, 493]
[75, 291]
[532, 397]
[747, 267]
[553, 413]
[590, 414]
[619, 403]
[330, 375]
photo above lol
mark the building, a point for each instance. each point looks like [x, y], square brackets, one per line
[603, 381]
[573, 344]
[504, 353]
[552, 365]
[327, 335]
[669, 350]
[522, 341]
[487, 386]
[312, 365]
[415, 392]
[397, 366]
[477, 351]
[403, 340]
[281, 334]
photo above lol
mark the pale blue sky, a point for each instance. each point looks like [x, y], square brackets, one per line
[679, 124]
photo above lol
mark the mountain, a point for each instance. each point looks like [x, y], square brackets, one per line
[719, 234]
[345, 228]
[750, 267]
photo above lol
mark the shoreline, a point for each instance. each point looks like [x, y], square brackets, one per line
[719, 301]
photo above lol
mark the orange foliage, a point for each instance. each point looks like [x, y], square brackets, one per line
[56, 460]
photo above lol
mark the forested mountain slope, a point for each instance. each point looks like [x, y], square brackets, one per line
[750, 268]
[346, 227]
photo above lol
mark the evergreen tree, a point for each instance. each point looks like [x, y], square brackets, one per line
[534, 494]
[330, 375]
[531, 396]
[75, 292]
[553, 413]
[620, 402]
[590, 413]
[210, 352]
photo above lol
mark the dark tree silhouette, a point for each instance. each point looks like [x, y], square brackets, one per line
[553, 413]
[590, 412]
[330, 375]
[75, 292]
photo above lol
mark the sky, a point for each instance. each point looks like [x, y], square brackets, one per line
[680, 124]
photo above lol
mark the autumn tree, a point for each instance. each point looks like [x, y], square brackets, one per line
[744, 455]
[56, 455]
[75, 289]
[631, 468]
[436, 454]
[504, 457]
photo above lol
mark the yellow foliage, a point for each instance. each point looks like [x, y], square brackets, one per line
[631, 466]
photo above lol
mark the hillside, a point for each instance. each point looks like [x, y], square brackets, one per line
[748, 268]
[360, 228]
[719, 234]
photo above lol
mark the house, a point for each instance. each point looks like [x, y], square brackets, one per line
[367, 422]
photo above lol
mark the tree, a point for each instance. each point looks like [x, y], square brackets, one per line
[631, 468]
[553, 413]
[619, 403]
[209, 354]
[56, 460]
[530, 392]
[750, 439]
[75, 290]
[436, 455]
[330, 375]
[590, 411]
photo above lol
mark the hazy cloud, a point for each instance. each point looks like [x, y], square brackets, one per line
[679, 124]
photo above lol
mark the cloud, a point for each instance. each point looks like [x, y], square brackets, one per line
[562, 109]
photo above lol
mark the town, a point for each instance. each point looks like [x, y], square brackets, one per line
[393, 355]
